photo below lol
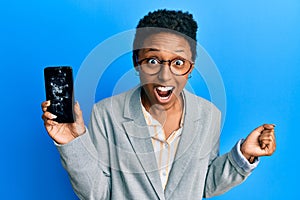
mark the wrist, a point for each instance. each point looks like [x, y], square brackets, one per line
[249, 157]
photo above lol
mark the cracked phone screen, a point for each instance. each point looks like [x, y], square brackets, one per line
[59, 90]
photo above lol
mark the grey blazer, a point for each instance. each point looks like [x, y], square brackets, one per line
[114, 159]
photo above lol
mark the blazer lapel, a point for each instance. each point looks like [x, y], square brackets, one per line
[140, 140]
[191, 141]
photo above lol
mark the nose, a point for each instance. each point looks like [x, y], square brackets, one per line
[165, 73]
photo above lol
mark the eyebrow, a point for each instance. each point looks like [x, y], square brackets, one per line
[154, 49]
[151, 49]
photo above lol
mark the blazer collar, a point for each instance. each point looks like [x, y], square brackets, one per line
[188, 144]
[140, 139]
[134, 110]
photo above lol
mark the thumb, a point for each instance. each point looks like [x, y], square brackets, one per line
[77, 112]
[259, 129]
[269, 126]
[79, 123]
[256, 132]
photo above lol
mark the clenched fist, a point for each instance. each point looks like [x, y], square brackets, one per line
[260, 142]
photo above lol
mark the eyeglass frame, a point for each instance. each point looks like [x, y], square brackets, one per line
[160, 62]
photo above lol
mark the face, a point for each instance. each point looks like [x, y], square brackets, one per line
[164, 87]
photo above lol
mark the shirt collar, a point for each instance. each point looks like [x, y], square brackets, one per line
[153, 122]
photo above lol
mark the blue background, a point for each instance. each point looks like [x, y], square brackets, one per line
[255, 45]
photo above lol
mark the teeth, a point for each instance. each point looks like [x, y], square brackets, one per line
[165, 89]
[163, 98]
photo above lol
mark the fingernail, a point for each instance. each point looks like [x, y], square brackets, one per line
[53, 116]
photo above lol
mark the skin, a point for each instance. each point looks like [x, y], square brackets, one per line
[63, 133]
[165, 46]
[260, 142]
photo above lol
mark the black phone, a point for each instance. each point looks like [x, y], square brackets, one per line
[60, 91]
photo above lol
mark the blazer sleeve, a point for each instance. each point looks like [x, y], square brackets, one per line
[226, 171]
[88, 168]
[223, 174]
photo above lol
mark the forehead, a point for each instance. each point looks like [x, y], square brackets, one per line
[168, 42]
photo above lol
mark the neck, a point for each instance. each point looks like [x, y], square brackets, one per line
[161, 112]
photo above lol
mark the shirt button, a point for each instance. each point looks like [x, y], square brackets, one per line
[164, 173]
[166, 145]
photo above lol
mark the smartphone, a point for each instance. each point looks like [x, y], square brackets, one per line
[60, 91]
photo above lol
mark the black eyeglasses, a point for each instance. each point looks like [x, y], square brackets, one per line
[178, 66]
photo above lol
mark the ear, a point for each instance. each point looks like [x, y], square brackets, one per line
[193, 65]
[189, 75]
[192, 68]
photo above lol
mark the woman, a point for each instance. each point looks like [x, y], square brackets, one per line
[156, 141]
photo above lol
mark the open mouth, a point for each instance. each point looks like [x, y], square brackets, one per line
[164, 93]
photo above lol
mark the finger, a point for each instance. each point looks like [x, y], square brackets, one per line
[45, 104]
[263, 127]
[269, 126]
[267, 143]
[76, 107]
[47, 115]
[266, 137]
[268, 134]
[264, 143]
[259, 129]
[269, 148]
[48, 119]
[49, 122]
[77, 111]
